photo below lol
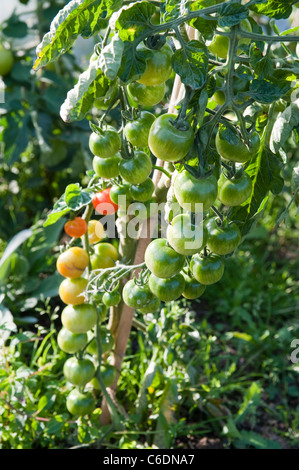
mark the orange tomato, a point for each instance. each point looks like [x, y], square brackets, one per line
[72, 262]
[71, 291]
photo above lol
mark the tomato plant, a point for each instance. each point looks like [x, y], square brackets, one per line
[209, 149]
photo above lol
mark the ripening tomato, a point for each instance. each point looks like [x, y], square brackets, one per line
[106, 249]
[96, 231]
[158, 65]
[72, 262]
[80, 404]
[101, 262]
[103, 204]
[79, 318]
[71, 342]
[75, 228]
[71, 291]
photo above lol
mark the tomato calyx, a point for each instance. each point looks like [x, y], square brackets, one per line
[155, 41]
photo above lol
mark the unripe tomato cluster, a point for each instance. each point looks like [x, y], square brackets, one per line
[191, 254]
[79, 318]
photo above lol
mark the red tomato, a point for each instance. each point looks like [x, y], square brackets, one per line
[103, 204]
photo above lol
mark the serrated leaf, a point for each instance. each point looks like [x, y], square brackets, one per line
[85, 18]
[134, 20]
[205, 27]
[80, 99]
[275, 8]
[232, 13]
[110, 58]
[191, 64]
[133, 64]
[284, 125]
[75, 197]
[264, 171]
[266, 91]
[59, 210]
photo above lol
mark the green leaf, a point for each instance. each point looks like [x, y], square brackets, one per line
[15, 28]
[264, 171]
[275, 8]
[7, 324]
[16, 136]
[85, 18]
[191, 64]
[251, 438]
[80, 99]
[231, 13]
[14, 244]
[111, 56]
[133, 20]
[252, 399]
[266, 91]
[205, 27]
[284, 125]
[59, 210]
[75, 197]
[262, 65]
[133, 63]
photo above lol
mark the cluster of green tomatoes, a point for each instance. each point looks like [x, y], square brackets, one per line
[192, 254]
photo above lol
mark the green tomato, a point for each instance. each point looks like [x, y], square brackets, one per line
[108, 373]
[233, 192]
[142, 192]
[137, 131]
[185, 236]
[107, 342]
[80, 404]
[167, 289]
[193, 289]
[6, 61]
[78, 371]
[167, 142]
[136, 169]
[158, 65]
[219, 45]
[151, 307]
[190, 191]
[136, 296]
[71, 342]
[207, 270]
[223, 240]
[79, 318]
[110, 299]
[121, 195]
[105, 145]
[219, 97]
[107, 167]
[230, 146]
[162, 260]
[146, 96]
